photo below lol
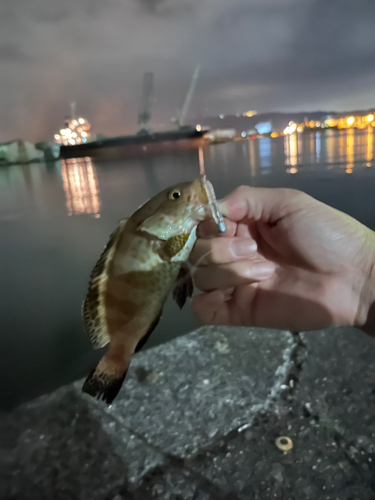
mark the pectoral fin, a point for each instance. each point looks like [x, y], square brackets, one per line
[184, 286]
[173, 246]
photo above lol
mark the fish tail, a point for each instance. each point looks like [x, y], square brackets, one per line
[105, 381]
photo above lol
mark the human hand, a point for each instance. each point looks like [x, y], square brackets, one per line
[287, 261]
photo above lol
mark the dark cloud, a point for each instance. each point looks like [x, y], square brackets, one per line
[335, 40]
[51, 11]
[12, 52]
[150, 5]
[255, 54]
[167, 8]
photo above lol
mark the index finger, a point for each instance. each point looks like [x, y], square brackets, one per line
[269, 204]
[208, 229]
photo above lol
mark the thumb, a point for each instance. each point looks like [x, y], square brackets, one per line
[267, 204]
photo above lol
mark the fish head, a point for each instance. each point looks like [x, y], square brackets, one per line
[176, 210]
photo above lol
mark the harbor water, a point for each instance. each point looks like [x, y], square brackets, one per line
[55, 219]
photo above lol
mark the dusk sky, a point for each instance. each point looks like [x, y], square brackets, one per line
[268, 55]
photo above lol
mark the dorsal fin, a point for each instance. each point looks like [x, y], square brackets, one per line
[93, 311]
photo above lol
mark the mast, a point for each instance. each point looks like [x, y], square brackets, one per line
[73, 110]
[144, 113]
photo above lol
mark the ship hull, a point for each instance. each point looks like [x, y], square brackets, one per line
[135, 145]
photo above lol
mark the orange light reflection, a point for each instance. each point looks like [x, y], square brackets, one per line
[370, 145]
[81, 186]
[201, 161]
[252, 159]
[291, 149]
[350, 151]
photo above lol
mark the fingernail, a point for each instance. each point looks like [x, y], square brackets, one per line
[262, 270]
[242, 248]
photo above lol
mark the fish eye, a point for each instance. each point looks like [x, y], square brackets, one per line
[174, 195]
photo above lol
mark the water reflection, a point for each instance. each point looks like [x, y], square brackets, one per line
[331, 150]
[252, 158]
[201, 161]
[318, 147]
[312, 146]
[28, 176]
[291, 149]
[345, 147]
[265, 155]
[350, 150]
[370, 146]
[81, 186]
[292, 170]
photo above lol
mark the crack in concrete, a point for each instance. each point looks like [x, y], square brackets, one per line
[288, 379]
[348, 447]
[297, 356]
[322, 423]
[173, 462]
[293, 373]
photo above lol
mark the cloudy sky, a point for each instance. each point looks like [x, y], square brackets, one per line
[269, 55]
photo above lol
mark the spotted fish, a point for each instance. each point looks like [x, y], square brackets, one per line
[144, 258]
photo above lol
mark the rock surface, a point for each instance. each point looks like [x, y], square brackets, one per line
[197, 419]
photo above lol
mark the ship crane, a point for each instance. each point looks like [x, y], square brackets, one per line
[144, 114]
[179, 120]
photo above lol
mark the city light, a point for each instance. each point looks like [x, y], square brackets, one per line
[346, 122]
[290, 129]
[198, 128]
[243, 134]
[331, 122]
[350, 120]
[250, 113]
[74, 134]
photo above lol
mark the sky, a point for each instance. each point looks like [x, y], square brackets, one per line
[268, 55]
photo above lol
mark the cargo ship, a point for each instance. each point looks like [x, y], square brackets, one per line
[129, 145]
[76, 141]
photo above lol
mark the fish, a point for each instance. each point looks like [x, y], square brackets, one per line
[145, 258]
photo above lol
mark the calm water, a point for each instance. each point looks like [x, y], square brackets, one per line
[56, 218]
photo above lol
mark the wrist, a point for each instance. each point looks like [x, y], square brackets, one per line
[365, 319]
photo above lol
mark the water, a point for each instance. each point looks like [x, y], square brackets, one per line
[56, 218]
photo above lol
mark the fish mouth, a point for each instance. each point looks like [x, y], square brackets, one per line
[202, 211]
